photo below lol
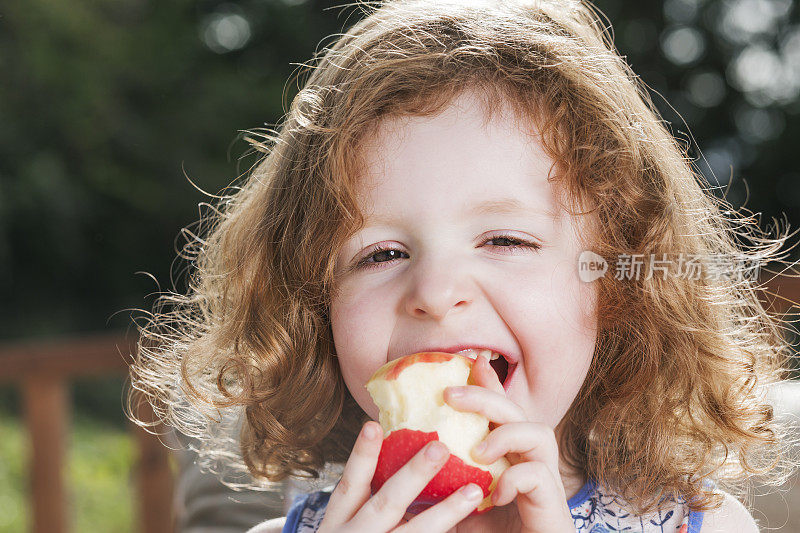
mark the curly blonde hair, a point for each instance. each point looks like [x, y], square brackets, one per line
[676, 388]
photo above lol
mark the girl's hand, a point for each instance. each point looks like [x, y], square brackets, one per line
[350, 507]
[533, 481]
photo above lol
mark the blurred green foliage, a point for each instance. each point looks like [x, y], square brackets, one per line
[12, 476]
[99, 487]
[106, 110]
[109, 108]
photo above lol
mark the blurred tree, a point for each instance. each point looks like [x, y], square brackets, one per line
[103, 107]
[107, 107]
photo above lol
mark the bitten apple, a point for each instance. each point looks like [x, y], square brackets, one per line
[409, 393]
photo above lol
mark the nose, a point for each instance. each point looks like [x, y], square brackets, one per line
[437, 287]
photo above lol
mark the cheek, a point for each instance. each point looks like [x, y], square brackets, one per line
[352, 320]
[552, 302]
[576, 298]
[359, 347]
[569, 324]
[356, 374]
[564, 356]
[554, 316]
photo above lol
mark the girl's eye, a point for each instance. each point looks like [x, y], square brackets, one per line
[378, 252]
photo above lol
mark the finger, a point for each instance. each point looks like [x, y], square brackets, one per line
[387, 506]
[541, 497]
[532, 441]
[497, 407]
[483, 375]
[446, 514]
[353, 488]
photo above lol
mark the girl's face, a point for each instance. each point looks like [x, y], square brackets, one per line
[450, 277]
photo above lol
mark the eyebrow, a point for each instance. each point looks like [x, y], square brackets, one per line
[504, 206]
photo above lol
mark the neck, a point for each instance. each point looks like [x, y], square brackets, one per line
[572, 480]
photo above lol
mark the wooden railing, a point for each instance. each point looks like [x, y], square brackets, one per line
[44, 370]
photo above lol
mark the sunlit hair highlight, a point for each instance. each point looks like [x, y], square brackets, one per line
[676, 389]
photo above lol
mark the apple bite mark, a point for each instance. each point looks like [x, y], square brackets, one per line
[395, 370]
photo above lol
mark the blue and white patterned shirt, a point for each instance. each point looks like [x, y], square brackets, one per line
[593, 511]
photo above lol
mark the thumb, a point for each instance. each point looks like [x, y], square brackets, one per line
[483, 375]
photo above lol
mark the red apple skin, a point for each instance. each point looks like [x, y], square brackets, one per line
[392, 370]
[402, 444]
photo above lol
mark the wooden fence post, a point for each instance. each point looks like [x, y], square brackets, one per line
[47, 415]
[153, 476]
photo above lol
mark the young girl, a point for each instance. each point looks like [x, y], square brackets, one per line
[480, 174]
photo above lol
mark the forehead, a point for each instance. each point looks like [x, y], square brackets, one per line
[462, 154]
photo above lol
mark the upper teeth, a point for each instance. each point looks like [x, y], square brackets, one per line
[473, 354]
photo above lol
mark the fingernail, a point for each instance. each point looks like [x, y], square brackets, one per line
[455, 392]
[471, 491]
[435, 451]
[370, 432]
[480, 448]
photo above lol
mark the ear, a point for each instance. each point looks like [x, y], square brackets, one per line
[731, 517]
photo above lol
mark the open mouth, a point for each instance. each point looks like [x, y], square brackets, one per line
[500, 367]
[497, 361]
